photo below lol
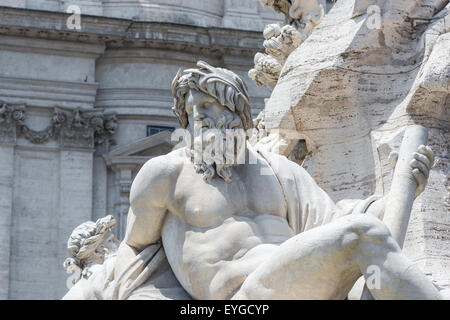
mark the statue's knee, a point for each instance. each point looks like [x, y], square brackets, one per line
[370, 229]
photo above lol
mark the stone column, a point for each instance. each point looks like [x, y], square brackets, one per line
[124, 179]
[100, 188]
[6, 192]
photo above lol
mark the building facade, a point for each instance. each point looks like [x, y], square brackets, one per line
[85, 101]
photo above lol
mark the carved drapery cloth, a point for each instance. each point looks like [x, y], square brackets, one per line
[73, 128]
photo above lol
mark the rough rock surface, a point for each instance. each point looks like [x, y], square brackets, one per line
[367, 71]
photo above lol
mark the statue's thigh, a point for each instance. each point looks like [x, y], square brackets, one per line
[317, 264]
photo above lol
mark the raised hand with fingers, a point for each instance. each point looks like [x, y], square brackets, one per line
[421, 165]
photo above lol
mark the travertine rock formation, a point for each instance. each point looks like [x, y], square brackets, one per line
[370, 69]
[301, 16]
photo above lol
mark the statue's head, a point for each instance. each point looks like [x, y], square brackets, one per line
[90, 243]
[225, 88]
[215, 98]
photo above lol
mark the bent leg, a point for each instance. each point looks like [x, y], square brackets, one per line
[316, 264]
[325, 262]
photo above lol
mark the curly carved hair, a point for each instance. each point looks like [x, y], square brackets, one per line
[222, 84]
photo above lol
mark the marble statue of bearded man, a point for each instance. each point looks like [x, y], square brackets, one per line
[254, 229]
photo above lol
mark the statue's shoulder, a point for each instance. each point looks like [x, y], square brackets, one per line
[159, 172]
[166, 164]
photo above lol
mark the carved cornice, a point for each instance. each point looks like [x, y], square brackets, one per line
[124, 33]
[78, 128]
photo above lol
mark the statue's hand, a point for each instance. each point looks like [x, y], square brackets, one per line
[421, 165]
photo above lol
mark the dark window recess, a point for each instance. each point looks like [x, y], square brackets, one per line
[151, 130]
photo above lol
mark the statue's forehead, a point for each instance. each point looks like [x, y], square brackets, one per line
[196, 95]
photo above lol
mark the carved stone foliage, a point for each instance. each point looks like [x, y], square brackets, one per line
[305, 15]
[302, 16]
[83, 128]
[279, 43]
[72, 128]
[11, 117]
[280, 6]
[266, 70]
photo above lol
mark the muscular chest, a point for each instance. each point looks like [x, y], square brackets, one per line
[203, 203]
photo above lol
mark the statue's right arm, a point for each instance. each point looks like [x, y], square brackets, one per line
[148, 199]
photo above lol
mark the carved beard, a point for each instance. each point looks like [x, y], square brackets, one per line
[211, 167]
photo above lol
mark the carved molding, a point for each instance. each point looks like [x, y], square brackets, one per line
[77, 128]
[11, 118]
[123, 33]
